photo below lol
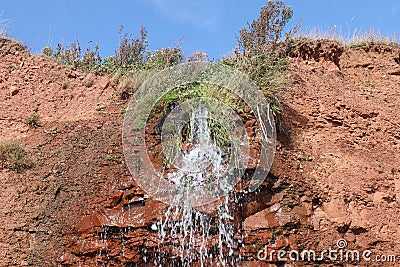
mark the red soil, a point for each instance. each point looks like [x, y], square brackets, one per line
[336, 172]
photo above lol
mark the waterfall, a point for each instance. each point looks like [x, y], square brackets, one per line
[189, 234]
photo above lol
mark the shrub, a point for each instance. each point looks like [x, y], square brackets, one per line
[260, 53]
[198, 56]
[90, 60]
[263, 34]
[47, 51]
[165, 57]
[13, 156]
[33, 121]
[68, 55]
[72, 56]
[131, 51]
[131, 55]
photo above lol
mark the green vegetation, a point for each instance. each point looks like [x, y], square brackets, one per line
[261, 53]
[33, 121]
[13, 156]
[131, 55]
[113, 156]
[100, 108]
[187, 92]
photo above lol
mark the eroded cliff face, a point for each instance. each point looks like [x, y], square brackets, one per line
[335, 174]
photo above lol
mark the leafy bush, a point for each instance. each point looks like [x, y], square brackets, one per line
[260, 52]
[131, 51]
[263, 34]
[91, 59]
[72, 56]
[13, 156]
[130, 56]
[68, 55]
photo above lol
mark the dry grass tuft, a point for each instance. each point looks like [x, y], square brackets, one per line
[351, 38]
[14, 157]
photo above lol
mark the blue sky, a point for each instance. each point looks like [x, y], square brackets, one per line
[207, 25]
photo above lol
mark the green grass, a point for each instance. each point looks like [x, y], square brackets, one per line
[220, 128]
[100, 108]
[113, 156]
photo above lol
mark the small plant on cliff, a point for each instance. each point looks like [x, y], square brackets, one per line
[113, 156]
[72, 56]
[33, 121]
[13, 156]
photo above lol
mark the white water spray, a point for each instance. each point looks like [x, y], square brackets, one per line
[188, 235]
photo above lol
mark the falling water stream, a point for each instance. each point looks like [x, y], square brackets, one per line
[186, 232]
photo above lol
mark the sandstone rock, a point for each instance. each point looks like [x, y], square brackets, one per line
[301, 211]
[85, 247]
[261, 220]
[14, 90]
[283, 217]
[350, 237]
[66, 259]
[336, 211]
[115, 199]
[396, 72]
[137, 237]
[103, 83]
[137, 216]
[358, 226]
[318, 215]
[88, 81]
[87, 223]
[397, 190]
[129, 255]
[210, 208]
[378, 196]
[115, 252]
[365, 242]
[262, 236]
